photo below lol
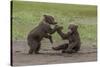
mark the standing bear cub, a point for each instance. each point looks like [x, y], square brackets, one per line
[43, 30]
[73, 37]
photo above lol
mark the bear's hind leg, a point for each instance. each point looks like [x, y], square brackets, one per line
[61, 47]
[33, 46]
[30, 51]
[37, 49]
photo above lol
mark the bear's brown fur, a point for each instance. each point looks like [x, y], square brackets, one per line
[43, 30]
[73, 37]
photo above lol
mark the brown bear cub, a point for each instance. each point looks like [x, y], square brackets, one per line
[43, 30]
[72, 36]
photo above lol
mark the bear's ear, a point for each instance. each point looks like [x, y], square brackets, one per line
[76, 26]
[44, 16]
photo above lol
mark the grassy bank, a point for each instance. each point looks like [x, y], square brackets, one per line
[27, 15]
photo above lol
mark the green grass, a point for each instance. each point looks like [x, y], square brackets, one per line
[27, 15]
